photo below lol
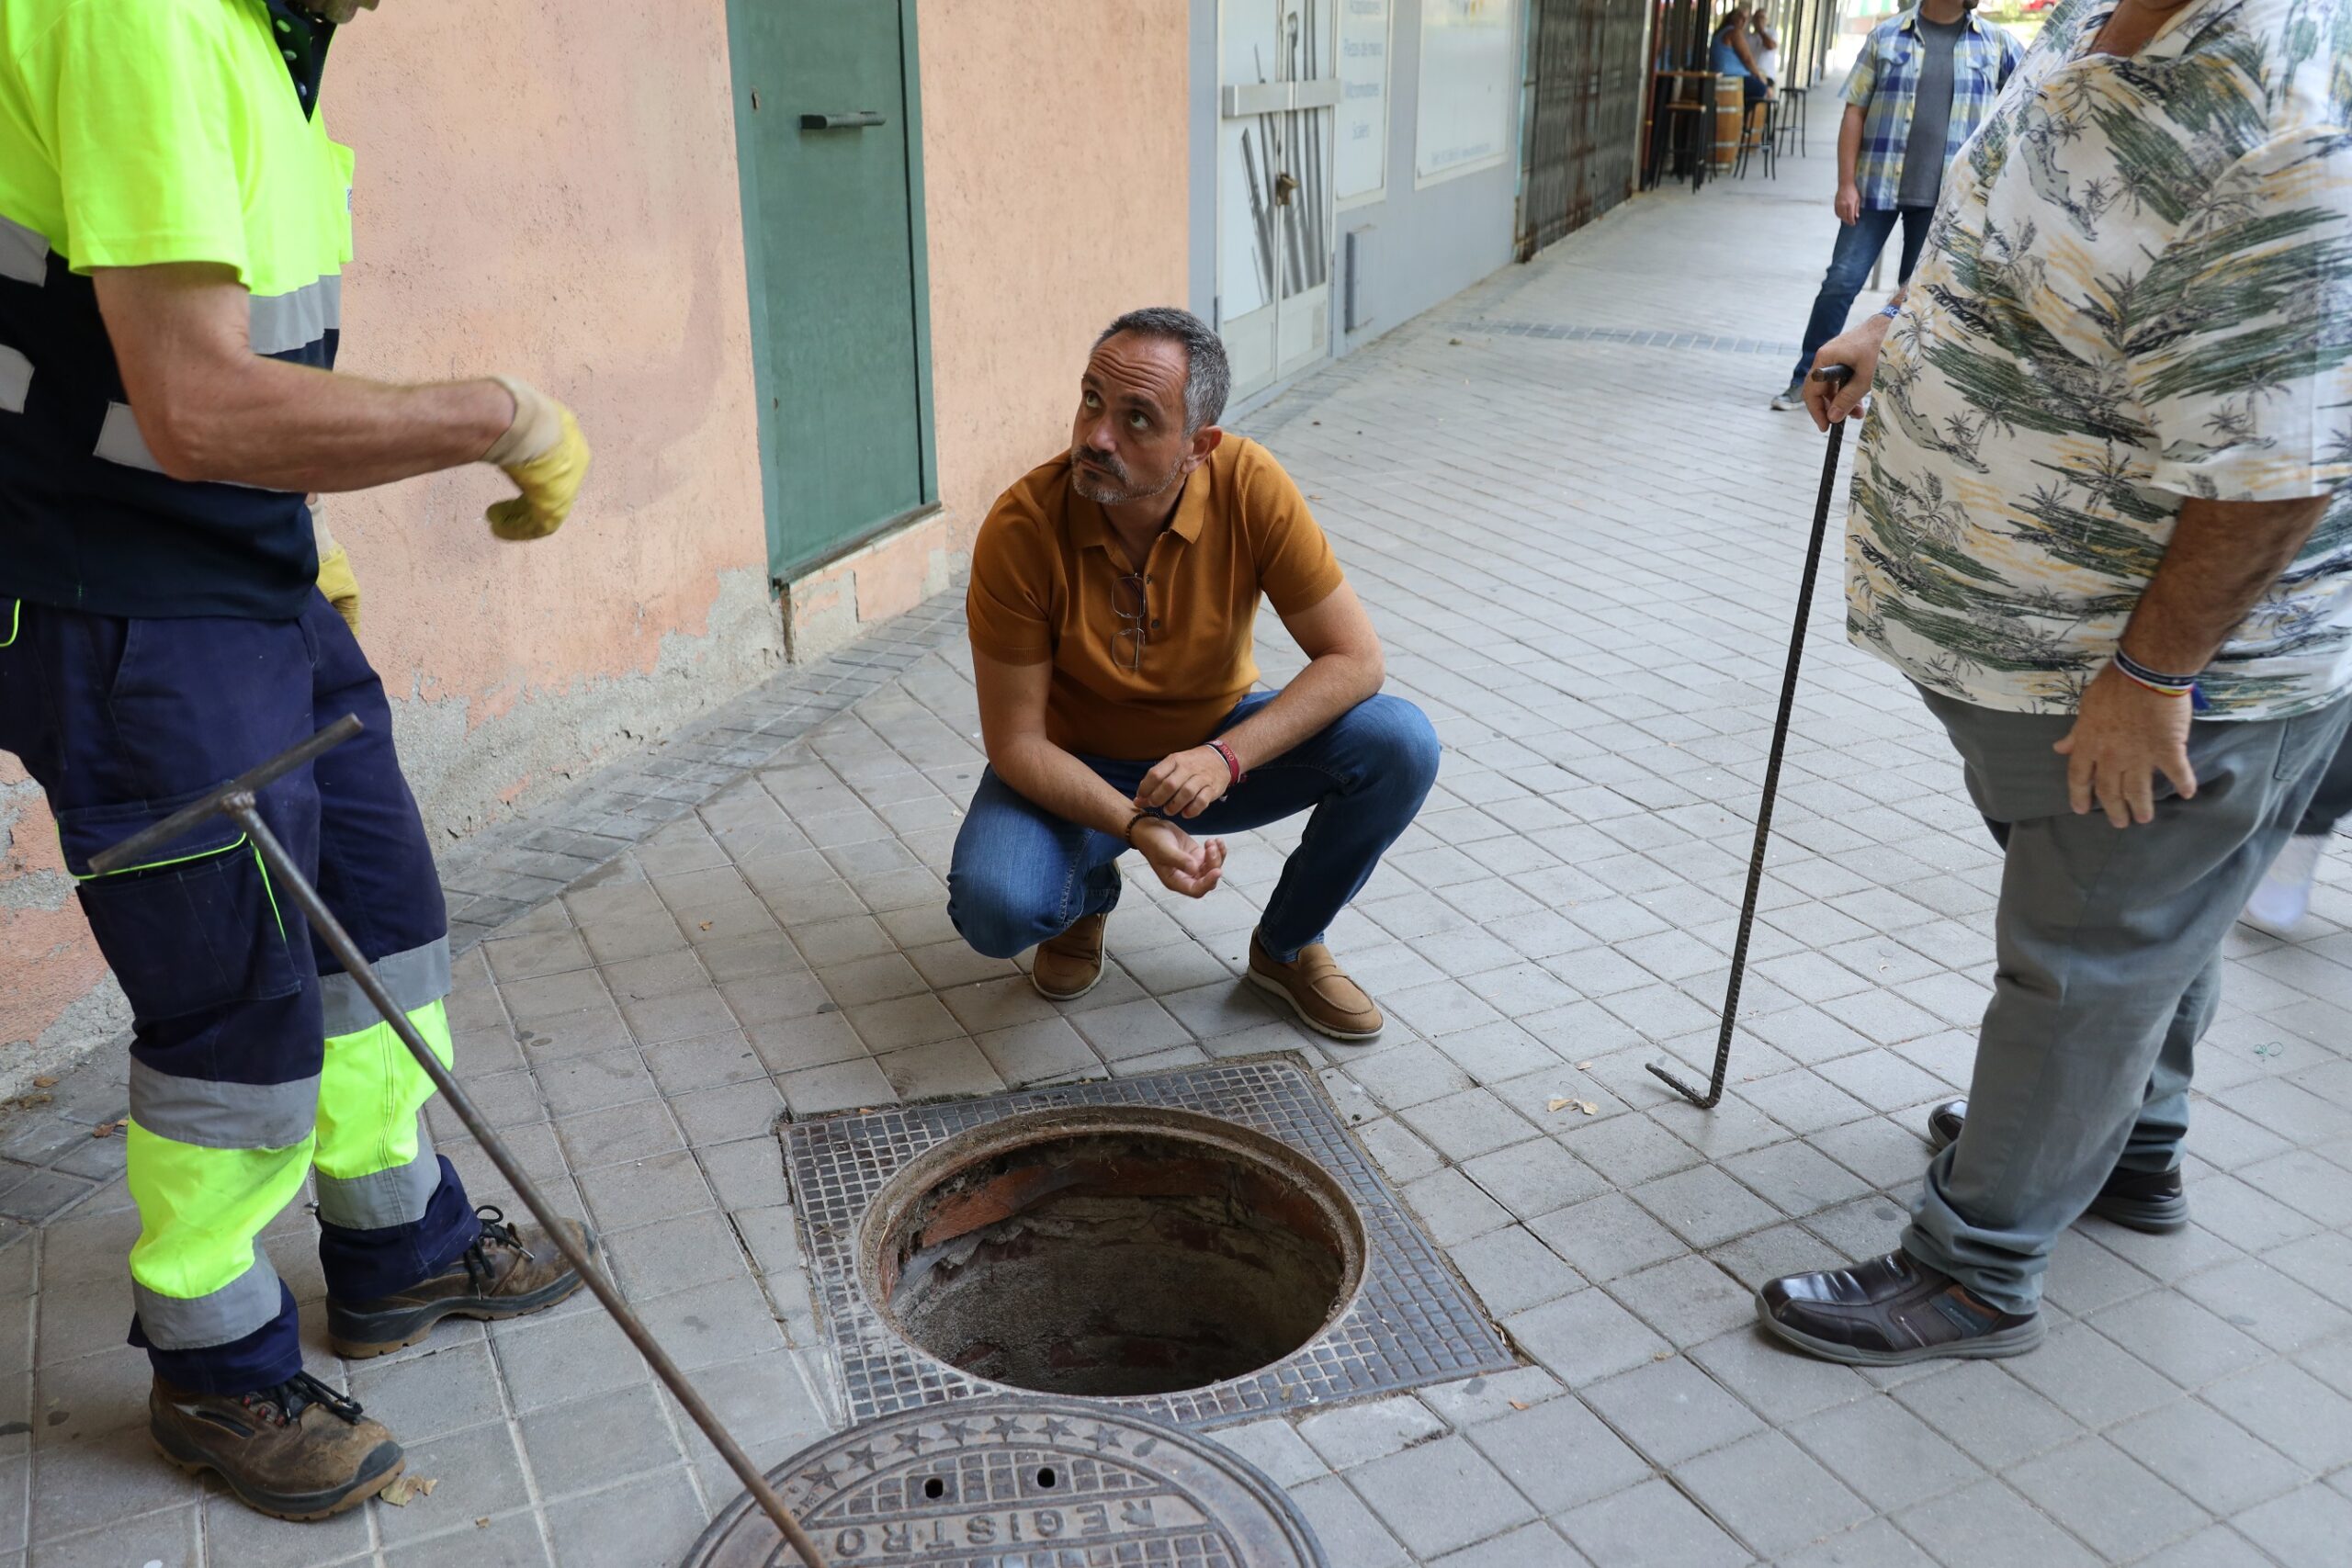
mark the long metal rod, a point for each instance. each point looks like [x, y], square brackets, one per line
[141, 845]
[241, 808]
[1772, 777]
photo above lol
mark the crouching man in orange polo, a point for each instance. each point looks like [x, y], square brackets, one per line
[1114, 594]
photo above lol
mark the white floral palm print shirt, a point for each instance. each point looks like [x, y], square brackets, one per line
[2138, 288]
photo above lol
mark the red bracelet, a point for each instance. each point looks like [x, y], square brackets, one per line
[1232, 763]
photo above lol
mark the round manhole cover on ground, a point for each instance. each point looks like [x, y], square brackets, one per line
[1018, 1483]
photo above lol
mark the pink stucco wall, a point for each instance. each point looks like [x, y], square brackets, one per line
[1056, 189]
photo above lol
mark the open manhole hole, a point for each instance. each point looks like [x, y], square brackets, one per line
[1113, 1251]
[1201, 1245]
[1019, 1482]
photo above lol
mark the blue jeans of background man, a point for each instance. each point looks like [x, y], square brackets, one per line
[1857, 248]
[1021, 875]
[2109, 969]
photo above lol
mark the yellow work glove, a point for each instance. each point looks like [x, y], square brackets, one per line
[335, 578]
[544, 455]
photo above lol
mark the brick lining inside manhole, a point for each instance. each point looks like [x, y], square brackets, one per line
[1407, 1320]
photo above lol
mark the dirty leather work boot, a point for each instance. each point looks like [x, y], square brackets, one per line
[1071, 964]
[509, 1271]
[297, 1451]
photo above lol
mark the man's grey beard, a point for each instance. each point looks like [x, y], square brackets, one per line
[1104, 490]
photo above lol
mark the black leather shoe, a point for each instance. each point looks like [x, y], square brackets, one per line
[2137, 1201]
[1889, 1312]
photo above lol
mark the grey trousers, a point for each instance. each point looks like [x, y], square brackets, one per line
[2333, 801]
[2108, 947]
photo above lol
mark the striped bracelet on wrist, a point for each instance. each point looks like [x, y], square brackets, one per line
[2156, 681]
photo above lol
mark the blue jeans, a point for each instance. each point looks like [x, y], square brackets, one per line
[1859, 244]
[1023, 875]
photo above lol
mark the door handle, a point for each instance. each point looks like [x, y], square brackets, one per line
[1285, 187]
[857, 120]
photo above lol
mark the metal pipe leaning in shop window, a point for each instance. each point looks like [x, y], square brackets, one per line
[235, 800]
[1834, 377]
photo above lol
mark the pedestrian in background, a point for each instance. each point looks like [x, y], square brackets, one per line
[2280, 905]
[1730, 54]
[2102, 519]
[1925, 82]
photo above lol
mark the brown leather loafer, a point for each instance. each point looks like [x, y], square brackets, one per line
[1318, 990]
[1071, 964]
[1889, 1312]
[510, 1271]
[2154, 1202]
[297, 1451]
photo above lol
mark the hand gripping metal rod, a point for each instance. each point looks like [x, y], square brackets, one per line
[1836, 376]
[235, 800]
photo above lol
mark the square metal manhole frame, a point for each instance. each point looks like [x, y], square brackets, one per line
[1413, 1322]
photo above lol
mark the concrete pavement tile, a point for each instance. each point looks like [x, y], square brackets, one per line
[1770, 1493]
[801, 1043]
[1276, 1448]
[1768, 1253]
[1796, 1177]
[2308, 1525]
[2212, 1460]
[885, 977]
[2217, 1547]
[1530, 1545]
[168, 1537]
[748, 1173]
[1687, 1300]
[1393, 1147]
[1534, 1177]
[1469, 1402]
[844, 1086]
[1628, 1150]
[1877, 1544]
[1995, 1418]
[1039, 1051]
[1464, 1126]
[442, 1389]
[1358, 1434]
[949, 1068]
[1584, 1337]
[1440, 1497]
[549, 1361]
[1452, 1209]
[1409, 1073]
[682, 1066]
[1348, 1530]
[707, 1325]
[1496, 1052]
[1884, 1452]
[1652, 1524]
[628, 1526]
[636, 1193]
[1705, 1207]
[479, 1474]
[632, 1132]
[1671, 1411]
[580, 1084]
[2120, 1507]
[1888, 1155]
[2179, 1339]
[1560, 1455]
[1607, 1236]
[1131, 1029]
[585, 1445]
[672, 1255]
[234, 1533]
[1511, 1271]
[2289, 1409]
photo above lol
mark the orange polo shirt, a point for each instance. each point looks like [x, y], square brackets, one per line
[1044, 570]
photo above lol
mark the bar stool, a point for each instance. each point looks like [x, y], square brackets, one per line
[1766, 135]
[1792, 120]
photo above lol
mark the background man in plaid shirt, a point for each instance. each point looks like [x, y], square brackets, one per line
[1926, 78]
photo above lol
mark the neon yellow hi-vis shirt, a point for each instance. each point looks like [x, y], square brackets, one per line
[138, 134]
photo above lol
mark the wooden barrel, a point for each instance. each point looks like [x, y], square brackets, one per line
[1731, 107]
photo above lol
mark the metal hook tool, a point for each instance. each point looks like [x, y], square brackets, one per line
[236, 800]
[1836, 376]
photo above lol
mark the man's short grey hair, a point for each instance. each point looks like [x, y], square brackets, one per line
[1208, 376]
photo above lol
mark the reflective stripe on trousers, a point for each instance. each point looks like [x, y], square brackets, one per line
[206, 1189]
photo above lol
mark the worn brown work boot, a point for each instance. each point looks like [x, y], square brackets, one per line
[1071, 964]
[1318, 991]
[297, 1451]
[511, 1271]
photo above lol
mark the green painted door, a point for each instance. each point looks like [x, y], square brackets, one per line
[830, 145]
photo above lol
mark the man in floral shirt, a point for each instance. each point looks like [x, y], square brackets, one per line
[2101, 519]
